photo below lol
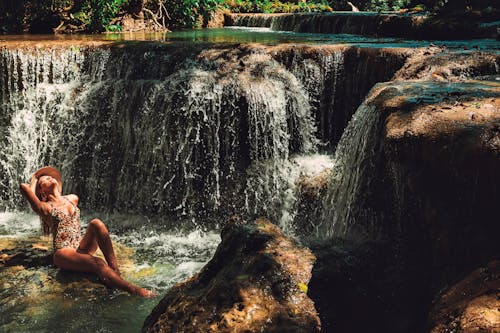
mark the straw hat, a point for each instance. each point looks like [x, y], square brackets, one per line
[45, 171]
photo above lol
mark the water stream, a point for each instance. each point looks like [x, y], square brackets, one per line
[165, 136]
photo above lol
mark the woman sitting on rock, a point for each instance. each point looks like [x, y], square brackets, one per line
[60, 215]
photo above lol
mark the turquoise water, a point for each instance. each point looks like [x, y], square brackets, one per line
[264, 36]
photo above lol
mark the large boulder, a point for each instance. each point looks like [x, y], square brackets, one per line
[441, 153]
[426, 157]
[470, 305]
[256, 282]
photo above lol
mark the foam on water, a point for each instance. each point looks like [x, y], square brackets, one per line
[17, 224]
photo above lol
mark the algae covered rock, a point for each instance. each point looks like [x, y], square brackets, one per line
[36, 296]
[256, 282]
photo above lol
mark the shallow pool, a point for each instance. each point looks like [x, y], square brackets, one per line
[43, 298]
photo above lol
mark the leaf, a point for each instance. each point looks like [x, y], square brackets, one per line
[302, 287]
[242, 277]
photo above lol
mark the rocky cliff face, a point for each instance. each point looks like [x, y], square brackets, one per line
[443, 158]
[430, 189]
[256, 282]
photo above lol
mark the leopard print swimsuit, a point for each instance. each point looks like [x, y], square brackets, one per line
[66, 231]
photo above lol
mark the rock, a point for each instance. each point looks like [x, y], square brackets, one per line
[216, 19]
[355, 279]
[471, 305]
[440, 64]
[443, 165]
[429, 190]
[256, 282]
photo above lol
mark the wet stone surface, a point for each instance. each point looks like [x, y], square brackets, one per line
[256, 282]
[35, 296]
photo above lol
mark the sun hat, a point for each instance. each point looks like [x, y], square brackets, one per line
[45, 171]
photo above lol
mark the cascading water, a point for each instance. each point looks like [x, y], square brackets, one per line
[361, 23]
[353, 162]
[153, 137]
[179, 131]
[133, 139]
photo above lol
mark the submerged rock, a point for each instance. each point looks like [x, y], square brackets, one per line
[256, 282]
[471, 305]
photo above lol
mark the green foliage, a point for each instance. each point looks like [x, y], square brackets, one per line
[388, 5]
[276, 6]
[189, 13]
[101, 14]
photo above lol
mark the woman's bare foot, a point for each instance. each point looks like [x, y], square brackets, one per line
[145, 293]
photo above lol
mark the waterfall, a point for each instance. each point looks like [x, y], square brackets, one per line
[35, 103]
[361, 23]
[179, 130]
[150, 132]
[353, 173]
[321, 77]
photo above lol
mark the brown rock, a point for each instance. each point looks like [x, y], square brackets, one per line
[430, 189]
[440, 64]
[256, 282]
[216, 19]
[471, 305]
[441, 153]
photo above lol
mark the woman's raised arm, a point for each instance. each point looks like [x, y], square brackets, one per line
[28, 193]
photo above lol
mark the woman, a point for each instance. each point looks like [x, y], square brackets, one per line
[60, 215]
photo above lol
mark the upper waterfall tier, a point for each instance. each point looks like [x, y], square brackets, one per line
[362, 23]
[370, 24]
[187, 129]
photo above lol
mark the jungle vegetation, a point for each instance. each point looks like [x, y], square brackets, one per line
[46, 16]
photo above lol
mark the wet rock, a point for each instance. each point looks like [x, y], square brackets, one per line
[440, 64]
[28, 257]
[355, 279]
[470, 305]
[256, 282]
[429, 192]
[443, 165]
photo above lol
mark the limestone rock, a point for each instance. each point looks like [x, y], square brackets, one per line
[471, 305]
[256, 282]
[429, 190]
[442, 153]
[441, 64]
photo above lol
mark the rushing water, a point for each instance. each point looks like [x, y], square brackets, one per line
[171, 135]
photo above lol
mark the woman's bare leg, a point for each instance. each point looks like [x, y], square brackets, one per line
[70, 259]
[97, 235]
